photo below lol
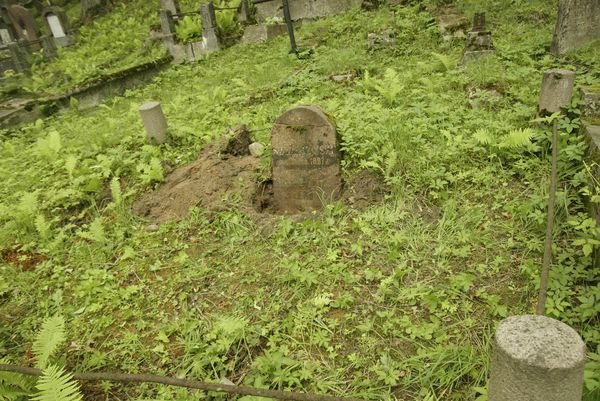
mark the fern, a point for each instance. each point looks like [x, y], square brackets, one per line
[483, 136]
[516, 138]
[442, 62]
[115, 191]
[42, 226]
[57, 385]
[95, 231]
[14, 386]
[47, 341]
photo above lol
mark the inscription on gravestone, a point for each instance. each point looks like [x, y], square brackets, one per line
[306, 160]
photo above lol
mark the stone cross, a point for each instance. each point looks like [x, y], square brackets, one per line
[306, 160]
[479, 22]
[24, 23]
[58, 25]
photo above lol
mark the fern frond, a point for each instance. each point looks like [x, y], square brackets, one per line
[42, 226]
[483, 136]
[442, 62]
[57, 385]
[115, 191]
[517, 138]
[47, 341]
[14, 386]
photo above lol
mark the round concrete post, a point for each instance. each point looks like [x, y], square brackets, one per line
[154, 122]
[536, 358]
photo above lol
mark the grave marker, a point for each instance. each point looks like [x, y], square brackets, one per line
[24, 24]
[479, 40]
[58, 25]
[577, 23]
[170, 5]
[154, 122]
[210, 38]
[306, 160]
[557, 90]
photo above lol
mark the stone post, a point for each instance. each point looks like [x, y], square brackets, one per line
[536, 358]
[244, 13]
[479, 40]
[557, 89]
[170, 5]
[154, 122]
[210, 36]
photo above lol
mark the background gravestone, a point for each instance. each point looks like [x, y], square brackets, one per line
[58, 26]
[23, 23]
[577, 23]
[306, 160]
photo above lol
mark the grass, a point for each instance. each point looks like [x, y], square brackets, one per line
[395, 301]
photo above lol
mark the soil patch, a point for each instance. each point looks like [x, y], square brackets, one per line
[26, 261]
[225, 171]
[221, 171]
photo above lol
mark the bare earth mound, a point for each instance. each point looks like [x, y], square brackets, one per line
[217, 173]
[225, 170]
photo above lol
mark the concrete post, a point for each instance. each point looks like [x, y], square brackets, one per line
[154, 122]
[557, 89]
[536, 358]
[210, 36]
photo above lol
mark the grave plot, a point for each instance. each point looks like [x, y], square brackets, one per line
[306, 174]
[412, 296]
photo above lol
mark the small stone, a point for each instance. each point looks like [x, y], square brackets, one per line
[256, 149]
[343, 77]
[151, 228]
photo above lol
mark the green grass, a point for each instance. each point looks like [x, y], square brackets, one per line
[396, 301]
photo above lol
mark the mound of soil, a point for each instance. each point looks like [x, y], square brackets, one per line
[225, 169]
[219, 172]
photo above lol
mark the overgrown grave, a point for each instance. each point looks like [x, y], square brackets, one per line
[306, 174]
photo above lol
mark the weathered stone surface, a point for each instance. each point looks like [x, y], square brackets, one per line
[210, 37]
[591, 98]
[306, 160]
[450, 23]
[170, 5]
[386, 39]
[154, 122]
[557, 90]
[244, 13]
[23, 23]
[304, 9]
[256, 149]
[577, 23]
[262, 33]
[536, 358]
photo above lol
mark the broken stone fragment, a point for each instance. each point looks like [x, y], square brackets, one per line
[256, 149]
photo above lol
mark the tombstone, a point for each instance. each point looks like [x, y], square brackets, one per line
[536, 358]
[7, 32]
[170, 5]
[557, 90]
[306, 160]
[244, 14]
[577, 23]
[479, 40]
[210, 37]
[24, 24]
[58, 25]
[154, 122]
[591, 100]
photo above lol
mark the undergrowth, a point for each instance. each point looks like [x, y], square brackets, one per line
[397, 301]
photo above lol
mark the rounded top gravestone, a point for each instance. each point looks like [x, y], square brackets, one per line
[306, 160]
